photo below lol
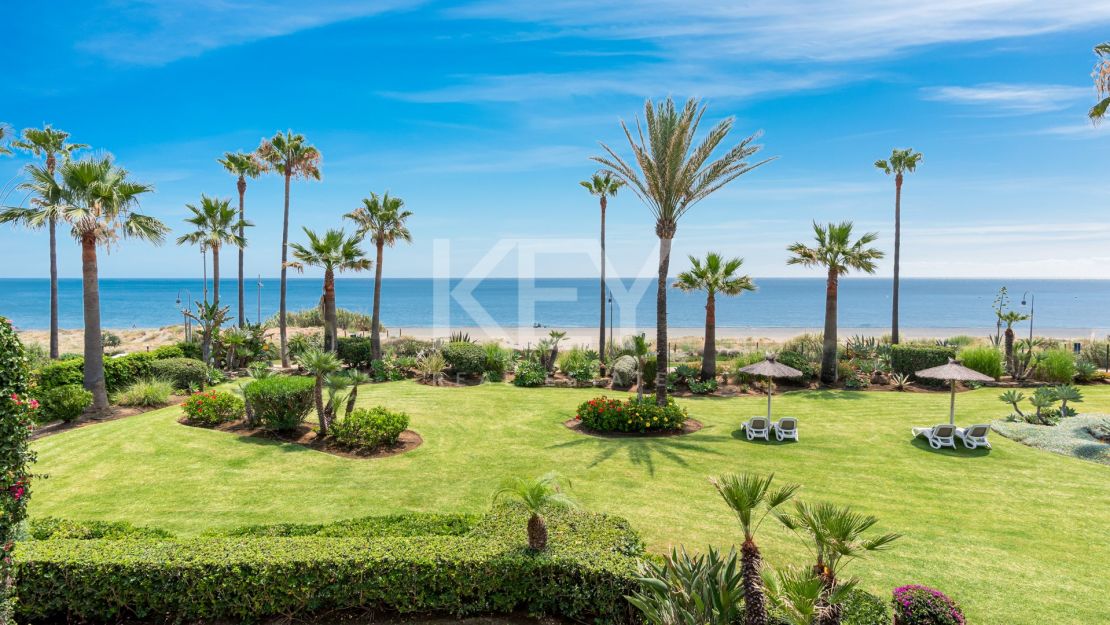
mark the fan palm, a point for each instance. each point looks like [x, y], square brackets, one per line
[320, 364]
[47, 143]
[4, 132]
[1101, 74]
[97, 199]
[603, 186]
[670, 175]
[900, 162]
[537, 495]
[216, 224]
[334, 251]
[640, 350]
[355, 378]
[1009, 318]
[715, 275]
[243, 165]
[289, 155]
[383, 218]
[837, 253]
[751, 498]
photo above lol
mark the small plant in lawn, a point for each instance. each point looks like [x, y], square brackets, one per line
[921, 605]
[529, 373]
[211, 408]
[1065, 393]
[149, 393]
[536, 494]
[370, 428]
[900, 381]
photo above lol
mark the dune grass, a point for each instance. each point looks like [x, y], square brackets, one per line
[1017, 535]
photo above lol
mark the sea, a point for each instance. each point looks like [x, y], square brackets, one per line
[574, 302]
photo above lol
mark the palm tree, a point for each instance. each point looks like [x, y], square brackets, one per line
[837, 253]
[210, 316]
[536, 495]
[355, 378]
[334, 251]
[800, 597]
[1101, 74]
[290, 156]
[243, 165]
[49, 144]
[4, 131]
[320, 364]
[1009, 318]
[751, 498]
[715, 275]
[216, 224]
[670, 176]
[835, 535]
[98, 199]
[603, 186]
[640, 350]
[383, 218]
[901, 161]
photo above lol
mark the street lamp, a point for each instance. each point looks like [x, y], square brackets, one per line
[188, 333]
[258, 314]
[610, 316]
[1032, 300]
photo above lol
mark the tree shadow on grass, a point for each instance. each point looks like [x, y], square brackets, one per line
[281, 446]
[645, 452]
[958, 452]
[827, 394]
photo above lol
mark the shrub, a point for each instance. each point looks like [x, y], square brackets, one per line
[578, 364]
[281, 402]
[651, 367]
[408, 346]
[171, 351]
[61, 373]
[921, 605]
[301, 343]
[211, 408]
[908, 359]
[110, 339]
[370, 428]
[465, 358]
[431, 367]
[65, 402]
[357, 352]
[386, 370]
[624, 372]
[986, 360]
[150, 393]
[498, 361]
[584, 576]
[189, 349]
[417, 524]
[1056, 366]
[602, 414]
[530, 373]
[698, 387]
[800, 362]
[119, 372]
[52, 528]
[16, 414]
[183, 373]
[809, 346]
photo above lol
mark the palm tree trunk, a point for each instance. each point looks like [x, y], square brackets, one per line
[828, 355]
[709, 351]
[375, 327]
[1010, 349]
[53, 288]
[351, 397]
[321, 414]
[601, 326]
[755, 604]
[329, 311]
[661, 347]
[242, 215]
[216, 275]
[284, 269]
[897, 256]
[94, 346]
[537, 533]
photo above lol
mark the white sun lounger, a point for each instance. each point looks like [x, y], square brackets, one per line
[757, 427]
[974, 436]
[784, 428]
[942, 435]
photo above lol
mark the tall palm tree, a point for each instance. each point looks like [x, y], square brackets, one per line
[1009, 318]
[671, 174]
[289, 155]
[837, 253]
[243, 165]
[836, 536]
[1101, 74]
[48, 143]
[383, 218]
[640, 350]
[320, 364]
[751, 498]
[4, 131]
[98, 200]
[603, 186]
[334, 251]
[216, 224]
[537, 495]
[900, 162]
[715, 275]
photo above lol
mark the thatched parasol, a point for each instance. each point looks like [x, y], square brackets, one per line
[953, 372]
[770, 368]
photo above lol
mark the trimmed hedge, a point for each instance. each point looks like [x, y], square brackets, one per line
[909, 359]
[65, 402]
[356, 352]
[280, 402]
[368, 428]
[424, 524]
[584, 575]
[119, 372]
[465, 358]
[184, 373]
[53, 528]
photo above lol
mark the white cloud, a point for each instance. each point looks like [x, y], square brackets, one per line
[1000, 98]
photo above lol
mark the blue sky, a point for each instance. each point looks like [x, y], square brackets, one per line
[483, 116]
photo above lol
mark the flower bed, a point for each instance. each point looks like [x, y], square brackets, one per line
[921, 605]
[603, 414]
[211, 408]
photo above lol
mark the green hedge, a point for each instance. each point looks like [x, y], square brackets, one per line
[356, 352]
[909, 359]
[465, 358]
[183, 373]
[584, 575]
[119, 372]
[986, 360]
[280, 402]
[53, 528]
[424, 524]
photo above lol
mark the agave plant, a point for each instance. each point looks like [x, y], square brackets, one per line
[1065, 393]
[705, 589]
[1043, 399]
[800, 596]
[431, 367]
[901, 381]
[537, 495]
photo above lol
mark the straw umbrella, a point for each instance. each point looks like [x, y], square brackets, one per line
[953, 372]
[770, 368]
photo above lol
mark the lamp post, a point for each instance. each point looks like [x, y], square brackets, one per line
[258, 314]
[610, 316]
[188, 328]
[1032, 300]
[204, 263]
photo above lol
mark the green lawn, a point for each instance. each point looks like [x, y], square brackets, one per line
[1016, 535]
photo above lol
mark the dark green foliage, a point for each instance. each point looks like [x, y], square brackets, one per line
[387, 370]
[1056, 366]
[370, 428]
[119, 372]
[356, 352]
[53, 528]
[583, 576]
[65, 402]
[985, 360]
[424, 524]
[280, 402]
[408, 346]
[211, 408]
[465, 358]
[909, 359]
[171, 351]
[684, 588]
[529, 373]
[800, 362]
[189, 349]
[864, 608]
[183, 373]
[651, 366]
[16, 415]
